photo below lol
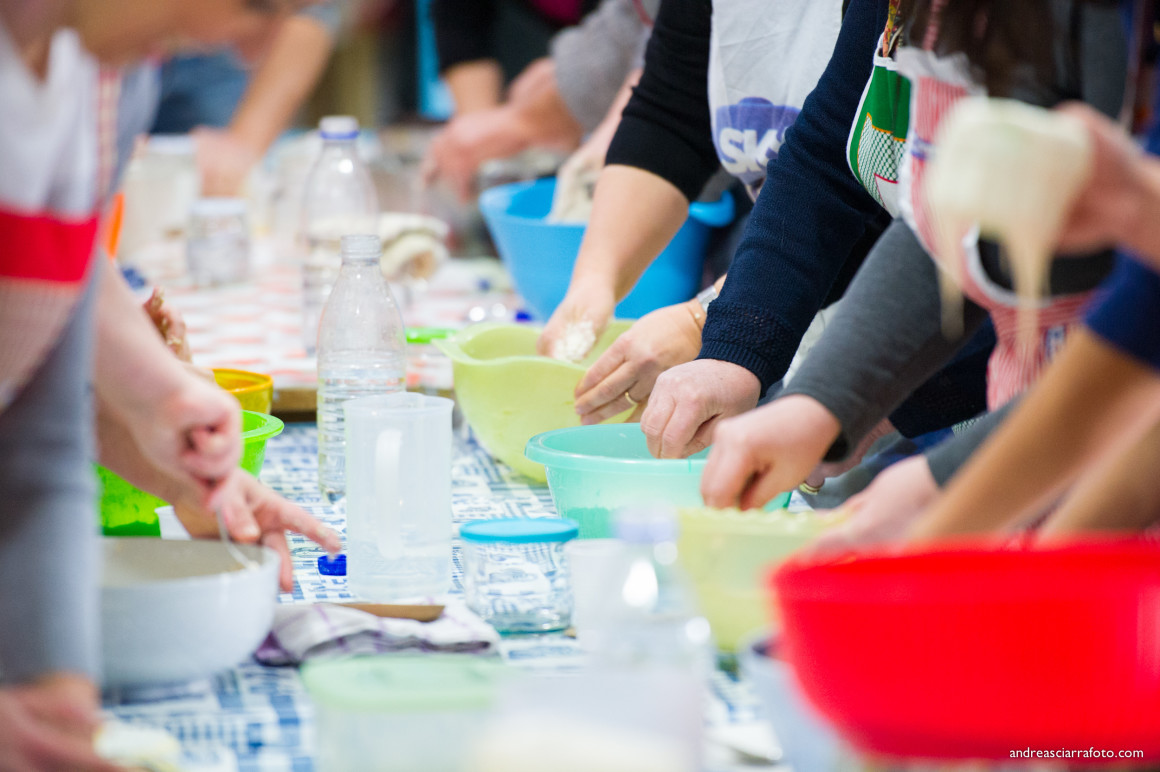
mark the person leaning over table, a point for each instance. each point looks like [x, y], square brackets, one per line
[812, 223]
[556, 100]
[890, 335]
[234, 114]
[1092, 425]
[56, 156]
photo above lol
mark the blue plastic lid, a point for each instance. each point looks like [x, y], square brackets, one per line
[332, 566]
[520, 530]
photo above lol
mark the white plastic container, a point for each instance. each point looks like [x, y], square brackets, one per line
[161, 183]
[398, 509]
[807, 740]
[400, 713]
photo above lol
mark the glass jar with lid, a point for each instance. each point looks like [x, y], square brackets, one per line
[218, 250]
[515, 573]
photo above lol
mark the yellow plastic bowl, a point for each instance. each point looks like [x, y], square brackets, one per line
[254, 391]
[727, 554]
[509, 394]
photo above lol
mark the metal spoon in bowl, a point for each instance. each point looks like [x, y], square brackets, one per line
[228, 541]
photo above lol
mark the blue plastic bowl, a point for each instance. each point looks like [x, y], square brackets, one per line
[540, 255]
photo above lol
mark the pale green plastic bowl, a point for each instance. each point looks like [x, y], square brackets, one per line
[509, 394]
[126, 510]
[595, 470]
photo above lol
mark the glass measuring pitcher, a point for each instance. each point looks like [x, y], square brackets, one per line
[398, 505]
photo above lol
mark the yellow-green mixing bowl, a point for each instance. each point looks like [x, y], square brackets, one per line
[727, 553]
[509, 394]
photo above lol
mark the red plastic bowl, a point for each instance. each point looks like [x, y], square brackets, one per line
[970, 652]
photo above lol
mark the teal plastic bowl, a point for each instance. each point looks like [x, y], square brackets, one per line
[595, 470]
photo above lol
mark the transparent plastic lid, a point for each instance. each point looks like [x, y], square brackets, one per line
[646, 525]
[338, 127]
[403, 683]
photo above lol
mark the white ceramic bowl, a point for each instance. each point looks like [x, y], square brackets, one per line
[177, 610]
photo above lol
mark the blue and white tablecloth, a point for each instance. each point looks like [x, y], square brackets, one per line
[260, 719]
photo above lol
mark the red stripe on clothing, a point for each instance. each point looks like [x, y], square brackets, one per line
[45, 248]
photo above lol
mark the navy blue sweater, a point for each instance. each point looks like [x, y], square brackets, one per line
[809, 214]
[812, 223]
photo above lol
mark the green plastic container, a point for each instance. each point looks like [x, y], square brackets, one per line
[126, 510]
[400, 712]
[595, 470]
[508, 393]
[256, 429]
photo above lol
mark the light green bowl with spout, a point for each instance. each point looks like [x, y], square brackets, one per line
[509, 394]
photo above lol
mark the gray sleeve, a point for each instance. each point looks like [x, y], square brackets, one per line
[48, 545]
[885, 340]
[949, 455]
[593, 58]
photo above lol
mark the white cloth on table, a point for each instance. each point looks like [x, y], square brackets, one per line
[308, 631]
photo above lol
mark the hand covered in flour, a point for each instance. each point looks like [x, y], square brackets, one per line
[884, 512]
[766, 452]
[629, 369]
[689, 401]
[578, 322]
[48, 726]
[254, 514]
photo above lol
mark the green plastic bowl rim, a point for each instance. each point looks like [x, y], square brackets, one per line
[269, 427]
[453, 346]
[430, 682]
[537, 450]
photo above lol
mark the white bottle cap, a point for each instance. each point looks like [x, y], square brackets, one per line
[362, 245]
[338, 127]
[218, 207]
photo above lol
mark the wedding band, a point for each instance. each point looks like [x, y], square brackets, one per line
[809, 490]
[631, 401]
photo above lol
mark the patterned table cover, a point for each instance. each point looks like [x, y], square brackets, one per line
[260, 719]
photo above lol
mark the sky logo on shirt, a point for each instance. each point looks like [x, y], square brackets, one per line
[749, 135]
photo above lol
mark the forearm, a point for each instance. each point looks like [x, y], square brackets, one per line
[133, 369]
[475, 85]
[634, 216]
[1054, 434]
[282, 82]
[1119, 494]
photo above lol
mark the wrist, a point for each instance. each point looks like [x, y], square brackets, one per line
[814, 418]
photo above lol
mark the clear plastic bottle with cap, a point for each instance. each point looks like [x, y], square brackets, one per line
[650, 646]
[361, 351]
[339, 199]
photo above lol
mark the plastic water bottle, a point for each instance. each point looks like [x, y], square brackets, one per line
[650, 645]
[339, 199]
[361, 351]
